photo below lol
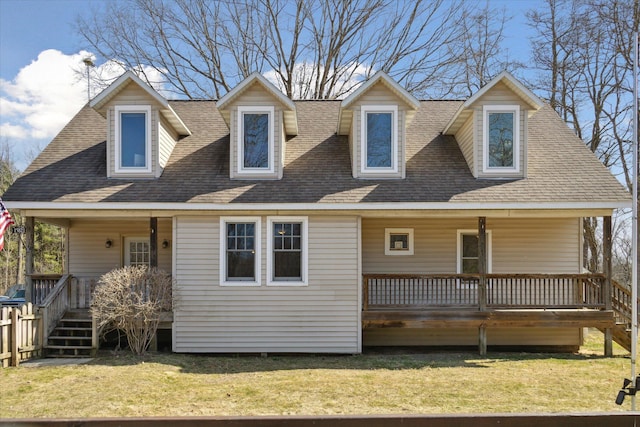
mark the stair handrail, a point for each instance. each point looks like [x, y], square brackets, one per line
[621, 299]
[55, 305]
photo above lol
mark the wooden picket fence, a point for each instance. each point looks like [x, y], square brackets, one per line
[21, 334]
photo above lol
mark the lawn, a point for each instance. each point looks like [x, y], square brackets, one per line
[409, 383]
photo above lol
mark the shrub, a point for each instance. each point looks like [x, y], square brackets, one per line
[131, 300]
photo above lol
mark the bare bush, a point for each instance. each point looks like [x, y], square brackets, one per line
[131, 300]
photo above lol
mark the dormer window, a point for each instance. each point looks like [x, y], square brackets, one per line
[501, 145]
[133, 138]
[379, 139]
[256, 136]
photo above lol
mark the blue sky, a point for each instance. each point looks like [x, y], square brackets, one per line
[41, 64]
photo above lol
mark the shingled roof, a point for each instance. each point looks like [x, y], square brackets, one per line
[561, 170]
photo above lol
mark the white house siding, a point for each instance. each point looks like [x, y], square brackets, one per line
[540, 245]
[321, 317]
[88, 256]
[532, 245]
[255, 96]
[465, 142]
[168, 138]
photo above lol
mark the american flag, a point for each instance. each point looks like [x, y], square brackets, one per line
[5, 222]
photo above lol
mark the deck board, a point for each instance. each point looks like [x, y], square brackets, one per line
[495, 318]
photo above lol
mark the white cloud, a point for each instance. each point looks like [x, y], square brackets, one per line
[41, 99]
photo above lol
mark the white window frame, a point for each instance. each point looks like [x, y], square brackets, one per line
[459, 249]
[242, 110]
[387, 241]
[119, 109]
[486, 110]
[223, 250]
[393, 109]
[304, 245]
[126, 251]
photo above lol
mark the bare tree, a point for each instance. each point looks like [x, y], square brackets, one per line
[131, 300]
[314, 49]
[582, 50]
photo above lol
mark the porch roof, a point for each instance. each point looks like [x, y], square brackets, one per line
[562, 172]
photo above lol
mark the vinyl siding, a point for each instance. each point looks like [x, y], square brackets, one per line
[132, 94]
[88, 256]
[379, 95]
[256, 96]
[321, 317]
[518, 245]
[167, 142]
[466, 143]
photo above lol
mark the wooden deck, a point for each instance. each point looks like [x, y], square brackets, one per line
[496, 301]
[569, 318]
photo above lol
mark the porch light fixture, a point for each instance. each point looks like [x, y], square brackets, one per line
[108, 243]
[165, 244]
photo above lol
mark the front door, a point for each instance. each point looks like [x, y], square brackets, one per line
[136, 251]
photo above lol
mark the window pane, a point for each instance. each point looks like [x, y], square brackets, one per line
[399, 242]
[240, 251]
[470, 266]
[469, 246]
[287, 265]
[501, 140]
[241, 265]
[379, 144]
[256, 140]
[132, 140]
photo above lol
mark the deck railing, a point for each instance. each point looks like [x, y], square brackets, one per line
[42, 284]
[55, 305]
[503, 291]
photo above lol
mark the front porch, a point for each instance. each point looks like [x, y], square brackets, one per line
[497, 301]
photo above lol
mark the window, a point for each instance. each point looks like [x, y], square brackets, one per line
[240, 251]
[136, 251]
[287, 250]
[468, 251]
[398, 241]
[501, 138]
[379, 138]
[133, 138]
[255, 139]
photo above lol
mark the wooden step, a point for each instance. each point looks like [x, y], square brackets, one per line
[67, 347]
[72, 336]
[69, 337]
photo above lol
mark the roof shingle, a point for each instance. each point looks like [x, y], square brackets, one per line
[72, 168]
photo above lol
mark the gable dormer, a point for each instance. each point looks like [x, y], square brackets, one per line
[142, 128]
[491, 128]
[375, 118]
[259, 118]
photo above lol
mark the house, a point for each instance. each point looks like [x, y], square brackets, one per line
[326, 226]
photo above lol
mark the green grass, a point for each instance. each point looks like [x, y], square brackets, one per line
[432, 382]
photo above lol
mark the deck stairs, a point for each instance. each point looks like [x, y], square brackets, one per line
[622, 309]
[71, 336]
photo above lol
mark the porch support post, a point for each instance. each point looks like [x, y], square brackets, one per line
[607, 243]
[29, 223]
[153, 242]
[482, 281]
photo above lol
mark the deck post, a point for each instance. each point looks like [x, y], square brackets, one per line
[607, 269]
[153, 242]
[482, 281]
[29, 224]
